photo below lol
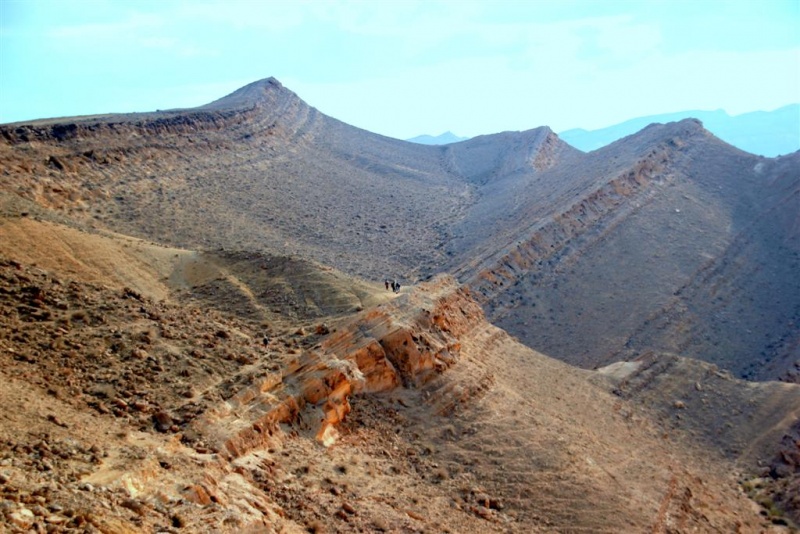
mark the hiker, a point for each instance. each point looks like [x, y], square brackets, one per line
[386, 281]
[397, 287]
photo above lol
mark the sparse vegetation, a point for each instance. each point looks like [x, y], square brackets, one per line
[236, 384]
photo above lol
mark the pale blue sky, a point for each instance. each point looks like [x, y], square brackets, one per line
[404, 68]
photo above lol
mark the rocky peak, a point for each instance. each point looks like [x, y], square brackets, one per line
[263, 95]
[486, 158]
[265, 92]
[676, 134]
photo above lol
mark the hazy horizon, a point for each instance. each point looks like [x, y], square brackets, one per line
[404, 69]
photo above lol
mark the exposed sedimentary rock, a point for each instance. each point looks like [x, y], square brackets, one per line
[396, 344]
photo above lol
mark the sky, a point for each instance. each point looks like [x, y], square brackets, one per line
[405, 68]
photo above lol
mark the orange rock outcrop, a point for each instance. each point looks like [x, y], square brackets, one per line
[404, 343]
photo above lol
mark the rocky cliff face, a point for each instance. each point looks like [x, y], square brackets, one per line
[165, 413]
[405, 343]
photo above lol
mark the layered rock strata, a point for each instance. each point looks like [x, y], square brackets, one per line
[400, 343]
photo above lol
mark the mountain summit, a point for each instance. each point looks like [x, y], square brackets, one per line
[262, 92]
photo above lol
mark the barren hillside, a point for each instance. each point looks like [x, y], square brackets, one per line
[693, 250]
[124, 413]
[667, 240]
[260, 167]
[195, 334]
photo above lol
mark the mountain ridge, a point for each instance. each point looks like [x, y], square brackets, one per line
[442, 139]
[499, 209]
[471, 399]
[197, 333]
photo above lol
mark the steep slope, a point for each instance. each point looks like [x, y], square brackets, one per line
[668, 239]
[691, 250]
[124, 414]
[262, 168]
[701, 404]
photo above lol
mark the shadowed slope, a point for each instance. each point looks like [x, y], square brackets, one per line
[259, 287]
[690, 250]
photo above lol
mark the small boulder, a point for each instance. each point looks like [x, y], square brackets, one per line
[22, 518]
[162, 420]
[322, 329]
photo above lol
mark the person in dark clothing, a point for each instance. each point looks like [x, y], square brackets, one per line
[387, 284]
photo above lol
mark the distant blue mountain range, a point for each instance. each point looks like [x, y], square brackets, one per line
[443, 139]
[767, 133]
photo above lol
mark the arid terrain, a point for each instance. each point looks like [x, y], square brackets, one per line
[195, 335]
[609, 253]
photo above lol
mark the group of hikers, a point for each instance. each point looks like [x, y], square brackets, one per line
[393, 284]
